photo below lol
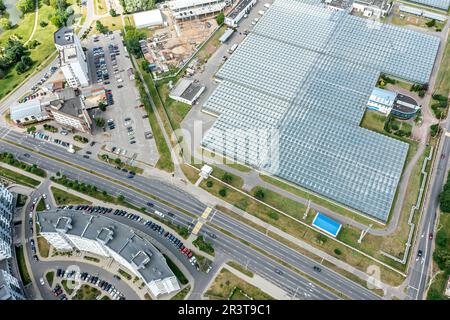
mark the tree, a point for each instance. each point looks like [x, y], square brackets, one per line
[431, 23]
[21, 67]
[137, 5]
[120, 198]
[259, 194]
[102, 106]
[26, 60]
[112, 13]
[2, 6]
[100, 27]
[227, 178]
[100, 122]
[25, 6]
[220, 18]
[132, 38]
[223, 192]
[118, 161]
[5, 23]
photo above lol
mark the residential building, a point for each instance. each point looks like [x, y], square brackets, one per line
[10, 288]
[239, 11]
[70, 229]
[72, 57]
[6, 215]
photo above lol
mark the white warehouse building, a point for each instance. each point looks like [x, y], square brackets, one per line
[148, 19]
[72, 58]
[69, 229]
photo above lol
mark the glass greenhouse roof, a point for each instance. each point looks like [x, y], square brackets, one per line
[441, 4]
[293, 94]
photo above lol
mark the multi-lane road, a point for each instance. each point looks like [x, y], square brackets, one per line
[420, 266]
[289, 280]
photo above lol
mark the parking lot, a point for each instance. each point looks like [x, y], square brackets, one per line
[126, 132]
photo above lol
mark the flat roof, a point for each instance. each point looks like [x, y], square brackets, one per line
[184, 4]
[116, 236]
[226, 35]
[148, 18]
[299, 119]
[63, 36]
[440, 4]
[238, 8]
[26, 109]
[326, 224]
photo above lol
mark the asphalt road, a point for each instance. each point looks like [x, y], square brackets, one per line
[419, 271]
[183, 200]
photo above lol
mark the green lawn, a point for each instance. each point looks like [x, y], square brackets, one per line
[442, 84]
[165, 159]
[112, 23]
[176, 271]
[86, 293]
[18, 178]
[41, 205]
[50, 276]
[22, 266]
[38, 54]
[68, 289]
[124, 274]
[224, 285]
[176, 110]
[43, 247]
[442, 241]
[66, 198]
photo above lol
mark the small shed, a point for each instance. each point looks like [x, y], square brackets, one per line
[206, 171]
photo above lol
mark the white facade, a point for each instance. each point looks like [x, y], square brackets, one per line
[6, 212]
[72, 58]
[186, 9]
[9, 287]
[369, 8]
[137, 255]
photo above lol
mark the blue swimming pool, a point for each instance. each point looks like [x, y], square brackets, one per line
[326, 224]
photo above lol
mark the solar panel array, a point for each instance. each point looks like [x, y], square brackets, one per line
[441, 4]
[294, 92]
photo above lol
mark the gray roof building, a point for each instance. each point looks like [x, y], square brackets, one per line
[66, 229]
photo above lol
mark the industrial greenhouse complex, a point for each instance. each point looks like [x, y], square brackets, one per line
[292, 97]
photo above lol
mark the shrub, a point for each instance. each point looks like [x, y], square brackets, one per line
[259, 194]
[337, 251]
[223, 192]
[209, 183]
[227, 178]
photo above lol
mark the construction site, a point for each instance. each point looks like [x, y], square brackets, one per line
[169, 46]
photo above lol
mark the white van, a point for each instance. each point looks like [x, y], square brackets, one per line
[159, 213]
